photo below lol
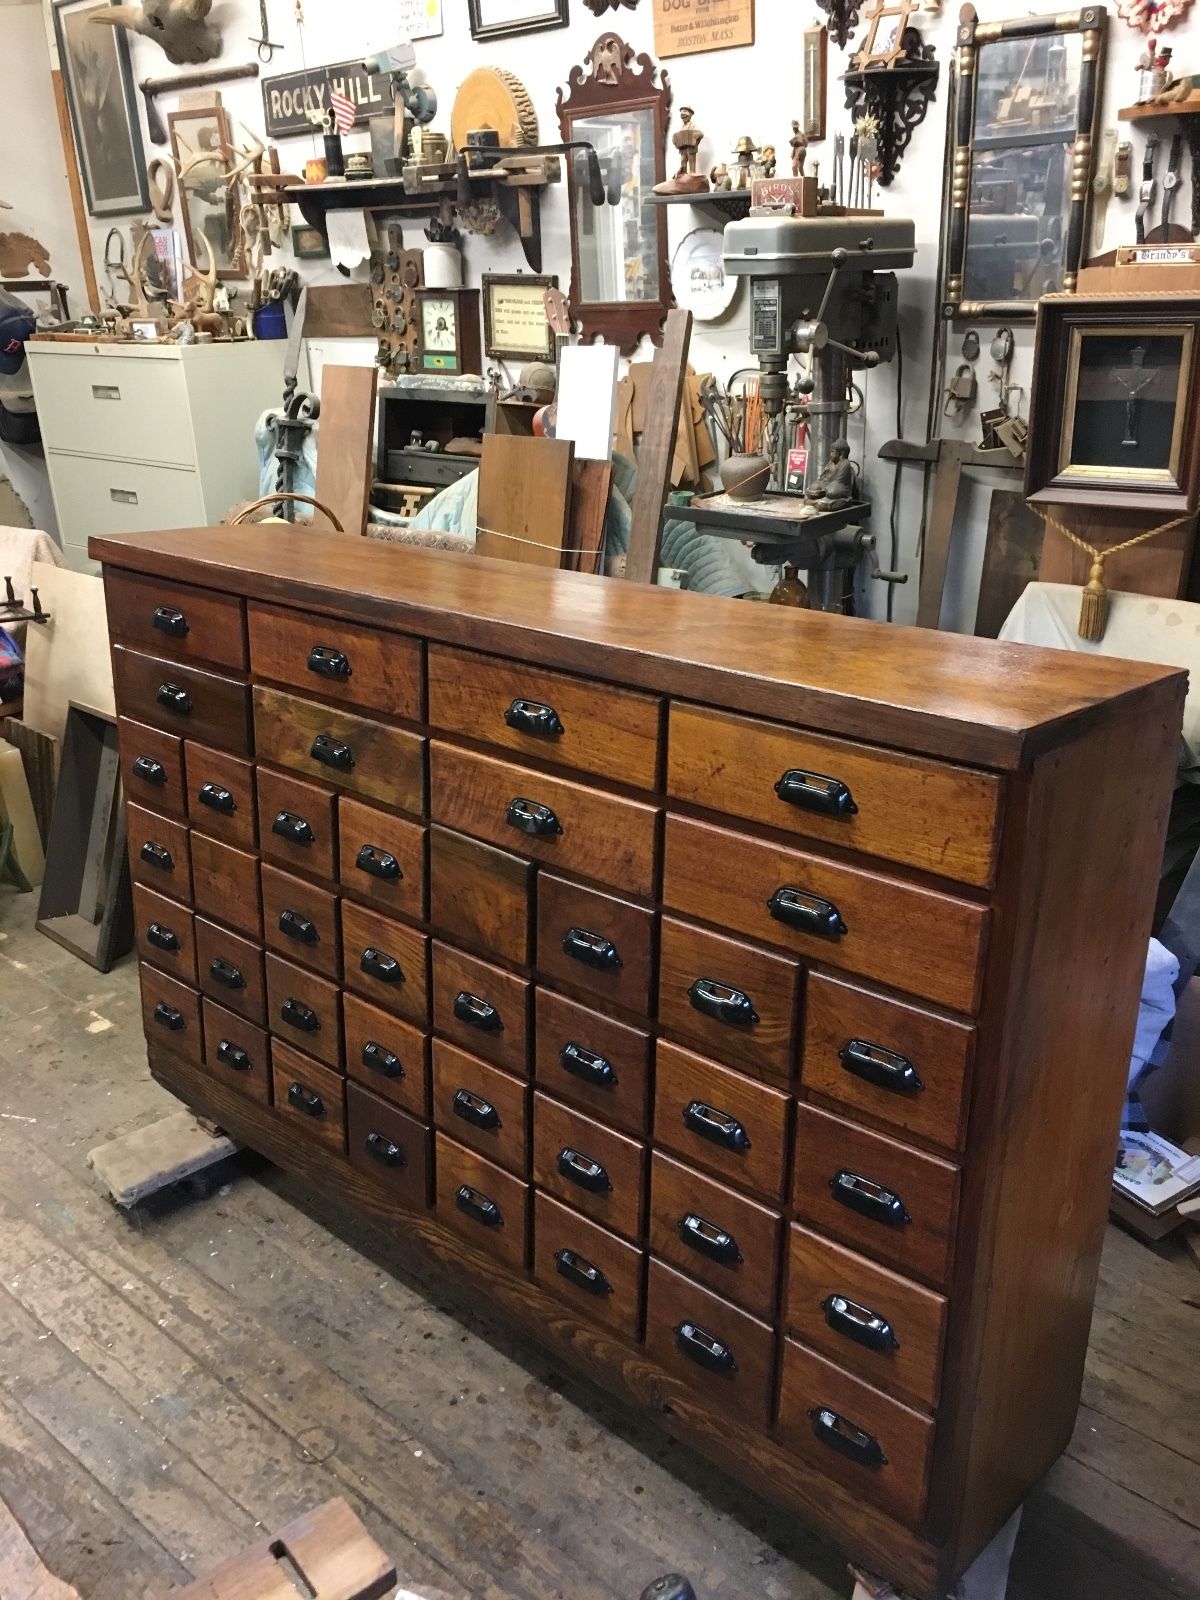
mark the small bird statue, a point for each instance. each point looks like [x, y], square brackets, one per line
[181, 27]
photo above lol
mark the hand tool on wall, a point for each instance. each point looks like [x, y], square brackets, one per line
[152, 87]
[264, 41]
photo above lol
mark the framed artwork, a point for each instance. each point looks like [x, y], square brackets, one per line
[515, 324]
[96, 74]
[500, 19]
[309, 244]
[200, 144]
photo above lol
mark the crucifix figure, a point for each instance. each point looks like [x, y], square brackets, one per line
[1133, 379]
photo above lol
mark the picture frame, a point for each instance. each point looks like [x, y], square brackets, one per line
[515, 324]
[308, 243]
[209, 211]
[505, 19]
[98, 80]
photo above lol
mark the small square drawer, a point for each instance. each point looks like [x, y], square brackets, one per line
[340, 661]
[389, 1147]
[190, 702]
[152, 768]
[221, 795]
[482, 1202]
[171, 1014]
[386, 961]
[381, 859]
[715, 1235]
[481, 895]
[481, 1106]
[597, 1274]
[176, 620]
[718, 1351]
[481, 1008]
[309, 1096]
[225, 884]
[334, 746]
[236, 1052]
[303, 1009]
[593, 1061]
[166, 937]
[160, 853]
[387, 1056]
[230, 969]
[732, 1000]
[297, 824]
[595, 942]
[593, 1168]
[874, 1445]
[721, 1120]
[300, 921]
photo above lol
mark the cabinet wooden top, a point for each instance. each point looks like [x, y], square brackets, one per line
[972, 700]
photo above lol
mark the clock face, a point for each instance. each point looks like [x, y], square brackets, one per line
[439, 325]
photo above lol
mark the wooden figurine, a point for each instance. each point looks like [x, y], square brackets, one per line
[687, 141]
[719, 177]
[799, 147]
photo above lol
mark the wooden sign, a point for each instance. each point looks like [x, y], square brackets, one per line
[290, 96]
[686, 27]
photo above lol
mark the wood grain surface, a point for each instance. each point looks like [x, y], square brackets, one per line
[381, 833]
[384, 668]
[405, 992]
[501, 1035]
[558, 1229]
[674, 1302]
[405, 1081]
[167, 792]
[235, 776]
[288, 800]
[524, 498]
[214, 620]
[493, 1093]
[288, 982]
[763, 1112]
[389, 1147]
[622, 1099]
[169, 919]
[177, 1025]
[225, 884]
[213, 709]
[344, 461]
[748, 1273]
[456, 1168]
[620, 1202]
[295, 1074]
[225, 1030]
[300, 921]
[572, 921]
[169, 874]
[481, 896]
[389, 763]
[230, 970]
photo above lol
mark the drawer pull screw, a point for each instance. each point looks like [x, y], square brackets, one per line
[869, 1199]
[796, 908]
[384, 1150]
[170, 621]
[700, 1347]
[477, 1013]
[382, 1061]
[477, 1206]
[232, 1055]
[306, 1100]
[883, 1068]
[723, 1003]
[378, 862]
[295, 829]
[813, 792]
[581, 1169]
[709, 1240]
[217, 798]
[575, 1269]
[472, 1108]
[716, 1126]
[531, 716]
[327, 662]
[845, 1438]
[587, 1066]
[593, 949]
[859, 1323]
[161, 938]
[527, 816]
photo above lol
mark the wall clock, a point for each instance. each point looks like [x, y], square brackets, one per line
[448, 331]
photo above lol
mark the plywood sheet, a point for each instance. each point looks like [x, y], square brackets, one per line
[345, 443]
[67, 658]
[16, 807]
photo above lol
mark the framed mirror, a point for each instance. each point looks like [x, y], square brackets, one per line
[620, 285]
[200, 145]
[1024, 157]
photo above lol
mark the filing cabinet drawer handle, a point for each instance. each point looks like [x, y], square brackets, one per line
[575, 1269]
[385, 1151]
[869, 1199]
[306, 1100]
[813, 792]
[531, 716]
[331, 752]
[297, 1015]
[157, 855]
[172, 698]
[169, 620]
[161, 938]
[883, 1068]
[723, 1003]
[796, 908]
[472, 1108]
[709, 1240]
[302, 929]
[703, 1349]
[378, 964]
[327, 662]
[149, 770]
[845, 1438]
[378, 862]
[527, 816]
[859, 1323]
[232, 1055]
[217, 798]
[477, 1013]
[593, 949]
[169, 1017]
[293, 828]
[581, 1169]
[477, 1206]
[587, 1066]
[384, 1062]
[716, 1126]
[226, 974]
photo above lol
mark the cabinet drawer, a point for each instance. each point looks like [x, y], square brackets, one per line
[303, 1010]
[925, 814]
[237, 1052]
[546, 715]
[230, 970]
[719, 1237]
[186, 700]
[115, 405]
[893, 1202]
[597, 1274]
[389, 1147]
[387, 1056]
[351, 752]
[854, 1434]
[593, 1168]
[171, 1014]
[593, 1061]
[721, 1120]
[482, 1202]
[160, 853]
[309, 1096]
[901, 933]
[165, 934]
[386, 961]
[481, 895]
[173, 620]
[381, 858]
[481, 1106]
[298, 828]
[595, 942]
[301, 921]
[893, 1061]
[578, 829]
[221, 795]
[152, 768]
[732, 1000]
[874, 1323]
[722, 1353]
[481, 1008]
[225, 884]
[339, 661]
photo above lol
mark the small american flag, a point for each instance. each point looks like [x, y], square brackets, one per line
[344, 110]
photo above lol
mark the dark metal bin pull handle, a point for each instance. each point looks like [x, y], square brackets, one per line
[298, 1015]
[527, 816]
[233, 1056]
[472, 1108]
[149, 770]
[709, 1240]
[859, 1323]
[593, 949]
[378, 862]
[813, 792]
[845, 1438]
[575, 1269]
[581, 1169]
[297, 927]
[716, 1126]
[531, 716]
[587, 1066]
[478, 1206]
[226, 974]
[884, 1068]
[295, 829]
[385, 1062]
[327, 662]
[306, 1100]
[169, 1017]
[161, 938]
[796, 908]
[157, 855]
[723, 1003]
[384, 1150]
[172, 698]
[477, 1013]
[217, 798]
[331, 752]
[167, 619]
[378, 964]
[700, 1347]
[869, 1199]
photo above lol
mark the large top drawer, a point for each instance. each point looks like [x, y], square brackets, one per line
[119, 406]
[175, 619]
[340, 661]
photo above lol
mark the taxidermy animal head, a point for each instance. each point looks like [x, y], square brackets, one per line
[181, 27]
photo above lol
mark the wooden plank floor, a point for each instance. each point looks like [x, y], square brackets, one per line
[173, 1383]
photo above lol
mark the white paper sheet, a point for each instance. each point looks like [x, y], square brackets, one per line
[587, 399]
[348, 242]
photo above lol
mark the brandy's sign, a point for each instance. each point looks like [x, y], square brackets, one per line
[288, 98]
